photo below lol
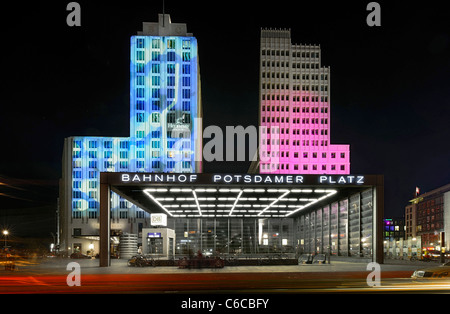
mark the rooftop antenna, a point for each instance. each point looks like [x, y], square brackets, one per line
[164, 14]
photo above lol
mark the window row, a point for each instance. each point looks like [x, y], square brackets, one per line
[277, 130]
[157, 43]
[284, 154]
[295, 109]
[323, 88]
[268, 97]
[156, 93]
[157, 56]
[297, 65]
[304, 77]
[294, 121]
[285, 166]
[156, 105]
[93, 214]
[293, 142]
[171, 117]
[295, 54]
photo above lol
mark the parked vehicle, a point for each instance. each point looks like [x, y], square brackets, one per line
[438, 272]
[140, 261]
[79, 255]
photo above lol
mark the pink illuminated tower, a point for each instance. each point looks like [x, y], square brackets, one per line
[295, 110]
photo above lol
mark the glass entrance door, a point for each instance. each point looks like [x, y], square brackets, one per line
[155, 245]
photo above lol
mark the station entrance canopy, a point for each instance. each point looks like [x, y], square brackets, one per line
[190, 195]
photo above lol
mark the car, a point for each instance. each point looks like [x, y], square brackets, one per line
[140, 261]
[438, 272]
[79, 255]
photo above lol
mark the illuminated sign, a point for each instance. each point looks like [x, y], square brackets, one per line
[243, 178]
[154, 235]
[158, 220]
[155, 178]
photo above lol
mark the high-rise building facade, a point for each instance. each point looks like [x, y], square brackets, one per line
[165, 135]
[294, 114]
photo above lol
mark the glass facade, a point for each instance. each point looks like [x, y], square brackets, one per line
[341, 228]
[237, 237]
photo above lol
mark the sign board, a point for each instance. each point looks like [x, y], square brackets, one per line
[158, 220]
[243, 179]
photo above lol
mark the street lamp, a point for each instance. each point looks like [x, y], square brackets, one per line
[5, 233]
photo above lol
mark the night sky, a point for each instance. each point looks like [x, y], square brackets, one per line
[390, 96]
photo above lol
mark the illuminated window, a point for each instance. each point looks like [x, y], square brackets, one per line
[139, 117]
[155, 68]
[186, 56]
[171, 44]
[156, 43]
[140, 55]
[186, 106]
[171, 56]
[186, 44]
[139, 134]
[156, 105]
[171, 118]
[140, 42]
[155, 56]
[155, 117]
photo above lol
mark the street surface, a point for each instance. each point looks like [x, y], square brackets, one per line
[52, 277]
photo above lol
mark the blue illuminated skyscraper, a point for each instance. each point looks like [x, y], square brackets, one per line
[165, 135]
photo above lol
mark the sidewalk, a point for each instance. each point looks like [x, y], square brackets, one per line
[118, 266]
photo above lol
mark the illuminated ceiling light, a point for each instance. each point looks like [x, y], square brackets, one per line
[273, 203]
[235, 202]
[313, 201]
[196, 201]
[276, 190]
[157, 202]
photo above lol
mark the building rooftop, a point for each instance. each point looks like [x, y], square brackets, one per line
[164, 27]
